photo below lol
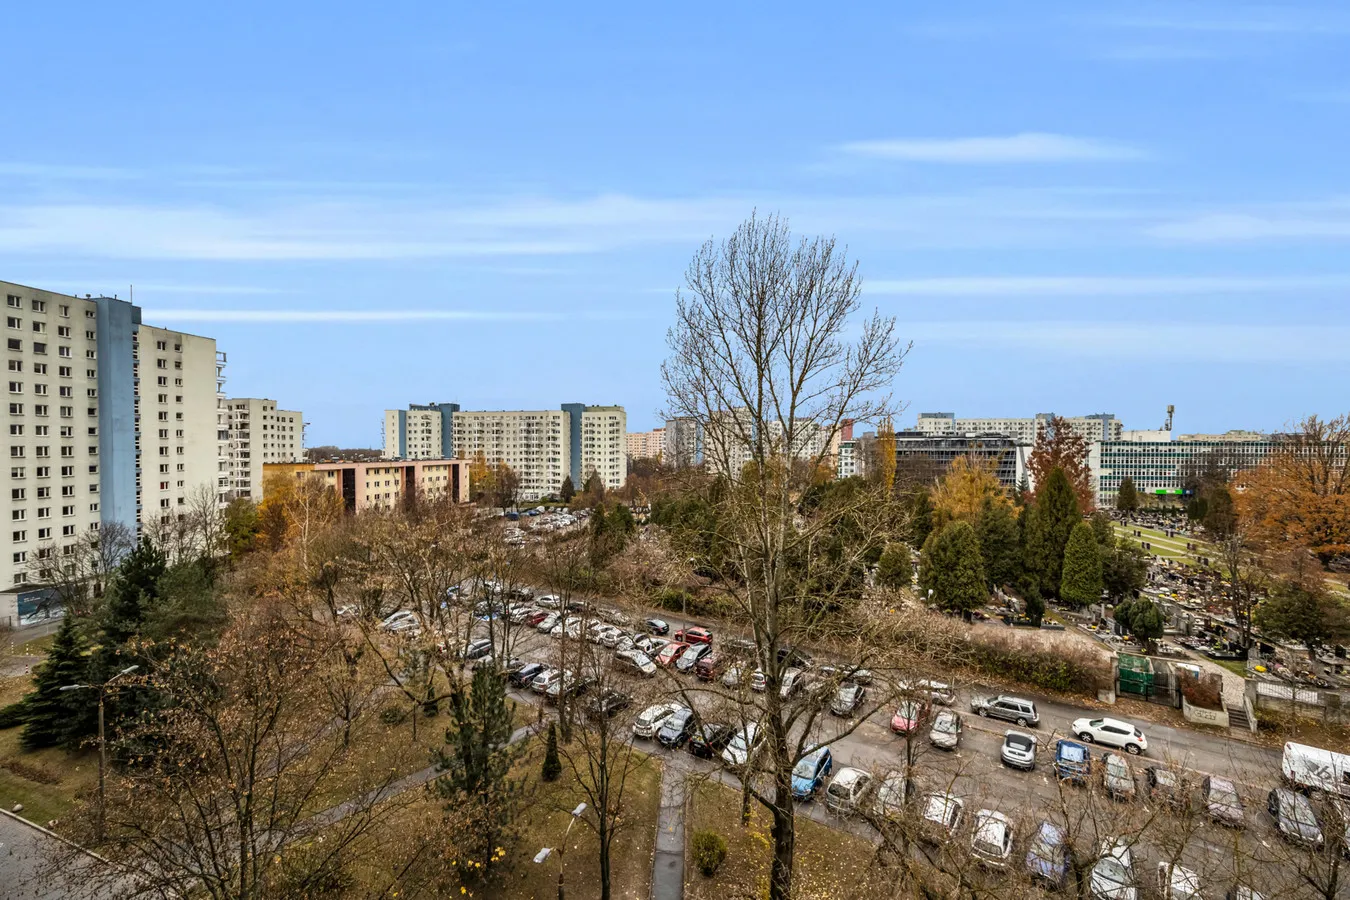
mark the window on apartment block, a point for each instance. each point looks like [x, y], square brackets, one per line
[13, 302]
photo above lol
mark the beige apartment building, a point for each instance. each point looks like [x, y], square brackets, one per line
[1093, 428]
[259, 434]
[384, 484]
[646, 444]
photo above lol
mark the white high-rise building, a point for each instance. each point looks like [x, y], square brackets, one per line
[109, 421]
[544, 446]
[422, 431]
[259, 434]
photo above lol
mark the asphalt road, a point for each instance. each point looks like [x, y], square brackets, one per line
[38, 866]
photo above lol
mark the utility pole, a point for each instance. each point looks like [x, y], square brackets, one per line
[546, 852]
[102, 742]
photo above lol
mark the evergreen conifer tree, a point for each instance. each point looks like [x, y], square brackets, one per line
[1127, 496]
[951, 567]
[1000, 544]
[48, 708]
[1057, 513]
[552, 763]
[1082, 571]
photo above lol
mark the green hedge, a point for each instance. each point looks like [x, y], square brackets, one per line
[14, 715]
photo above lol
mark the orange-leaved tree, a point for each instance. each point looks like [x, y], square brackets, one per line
[960, 495]
[1058, 446]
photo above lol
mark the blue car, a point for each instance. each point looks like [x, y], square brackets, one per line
[1072, 761]
[810, 773]
[1048, 859]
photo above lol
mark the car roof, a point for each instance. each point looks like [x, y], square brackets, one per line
[848, 775]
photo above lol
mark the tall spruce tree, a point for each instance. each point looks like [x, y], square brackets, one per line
[1082, 572]
[134, 592]
[1057, 513]
[1127, 496]
[952, 568]
[920, 508]
[1000, 544]
[568, 489]
[49, 722]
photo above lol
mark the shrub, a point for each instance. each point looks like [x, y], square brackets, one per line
[14, 715]
[393, 715]
[1205, 692]
[710, 850]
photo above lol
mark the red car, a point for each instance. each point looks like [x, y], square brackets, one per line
[535, 618]
[908, 717]
[709, 667]
[670, 652]
[694, 636]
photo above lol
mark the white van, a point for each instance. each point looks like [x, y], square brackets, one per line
[1313, 768]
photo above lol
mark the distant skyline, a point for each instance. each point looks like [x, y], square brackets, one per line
[1067, 209]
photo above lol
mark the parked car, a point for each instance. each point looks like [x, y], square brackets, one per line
[1242, 892]
[1176, 882]
[793, 681]
[925, 688]
[1168, 786]
[1019, 750]
[569, 685]
[547, 623]
[675, 730]
[636, 661]
[941, 817]
[649, 645]
[548, 601]
[612, 637]
[909, 715]
[690, 657]
[608, 704]
[545, 680]
[1072, 761]
[848, 698]
[526, 674]
[1222, 803]
[710, 740]
[478, 649]
[1110, 733]
[732, 676]
[759, 681]
[991, 839]
[846, 790]
[1117, 777]
[403, 620]
[946, 731]
[1112, 877]
[791, 656]
[1047, 857]
[738, 646]
[667, 655]
[1011, 709]
[694, 635]
[533, 619]
[889, 801]
[742, 746]
[810, 773]
[709, 666]
[1294, 817]
[658, 626]
[649, 721]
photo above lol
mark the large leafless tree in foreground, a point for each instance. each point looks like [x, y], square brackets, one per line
[768, 358]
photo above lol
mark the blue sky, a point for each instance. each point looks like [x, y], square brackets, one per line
[1069, 207]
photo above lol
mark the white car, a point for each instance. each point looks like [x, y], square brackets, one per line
[942, 815]
[991, 840]
[846, 790]
[547, 624]
[612, 637]
[1110, 733]
[1176, 882]
[401, 622]
[889, 802]
[744, 741]
[650, 719]
[1112, 878]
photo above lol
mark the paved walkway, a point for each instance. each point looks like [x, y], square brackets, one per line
[668, 860]
[40, 865]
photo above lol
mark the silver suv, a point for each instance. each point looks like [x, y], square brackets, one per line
[1012, 709]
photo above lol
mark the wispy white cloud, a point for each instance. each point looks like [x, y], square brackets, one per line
[88, 285]
[15, 169]
[1027, 147]
[362, 316]
[1233, 19]
[1196, 341]
[1101, 286]
[1220, 228]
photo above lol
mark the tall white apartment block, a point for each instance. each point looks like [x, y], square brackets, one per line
[1093, 428]
[176, 401]
[534, 443]
[260, 433]
[544, 446]
[109, 421]
[422, 431]
[604, 450]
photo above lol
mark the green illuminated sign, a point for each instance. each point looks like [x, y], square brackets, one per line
[1167, 490]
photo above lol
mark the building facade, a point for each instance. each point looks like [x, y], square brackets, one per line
[544, 446]
[1096, 427]
[646, 444]
[682, 443]
[385, 484]
[422, 431]
[109, 420]
[1005, 456]
[260, 434]
[1158, 467]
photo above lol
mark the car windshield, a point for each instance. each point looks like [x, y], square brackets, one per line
[738, 742]
[1298, 809]
[847, 692]
[1047, 845]
[946, 724]
[1223, 793]
[1072, 753]
[807, 767]
[939, 809]
[1110, 868]
[1116, 767]
[908, 710]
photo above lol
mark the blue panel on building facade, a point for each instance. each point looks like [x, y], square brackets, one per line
[117, 323]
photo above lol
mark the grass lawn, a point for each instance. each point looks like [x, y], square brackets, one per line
[1237, 667]
[543, 822]
[35, 647]
[829, 863]
[47, 782]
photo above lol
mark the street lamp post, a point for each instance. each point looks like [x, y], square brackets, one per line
[546, 852]
[102, 743]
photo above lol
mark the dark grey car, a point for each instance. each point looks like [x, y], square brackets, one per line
[1010, 709]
